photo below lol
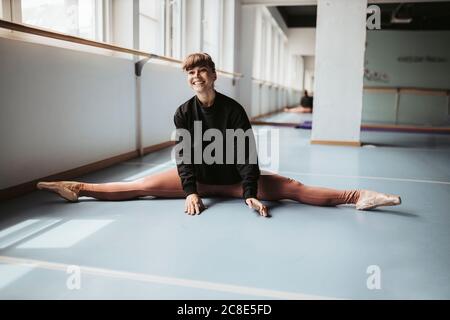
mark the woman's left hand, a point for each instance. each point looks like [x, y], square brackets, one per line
[258, 206]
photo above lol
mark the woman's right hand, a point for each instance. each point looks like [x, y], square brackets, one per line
[193, 204]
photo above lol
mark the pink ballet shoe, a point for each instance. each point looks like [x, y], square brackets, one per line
[67, 189]
[371, 199]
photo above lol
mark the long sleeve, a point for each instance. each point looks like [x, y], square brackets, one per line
[186, 171]
[249, 171]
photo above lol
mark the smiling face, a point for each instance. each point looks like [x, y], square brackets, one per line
[201, 79]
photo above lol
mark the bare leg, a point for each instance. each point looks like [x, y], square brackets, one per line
[299, 109]
[167, 184]
[276, 187]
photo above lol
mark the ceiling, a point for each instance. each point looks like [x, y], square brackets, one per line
[421, 16]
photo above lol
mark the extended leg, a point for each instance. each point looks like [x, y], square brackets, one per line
[166, 184]
[276, 187]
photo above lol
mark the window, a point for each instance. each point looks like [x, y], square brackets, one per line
[5, 9]
[212, 21]
[81, 18]
[269, 50]
[173, 28]
[151, 26]
[283, 57]
[275, 62]
[257, 56]
[298, 71]
[262, 49]
[160, 24]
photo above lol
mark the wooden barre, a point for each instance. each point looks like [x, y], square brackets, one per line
[78, 40]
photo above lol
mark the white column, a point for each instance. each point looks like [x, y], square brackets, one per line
[339, 65]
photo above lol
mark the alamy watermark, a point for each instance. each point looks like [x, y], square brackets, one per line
[373, 21]
[373, 282]
[73, 281]
[236, 147]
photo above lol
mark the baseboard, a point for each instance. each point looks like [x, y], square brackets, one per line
[405, 128]
[275, 124]
[158, 147]
[267, 114]
[337, 143]
[23, 188]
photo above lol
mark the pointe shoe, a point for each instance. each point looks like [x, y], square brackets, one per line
[66, 189]
[371, 199]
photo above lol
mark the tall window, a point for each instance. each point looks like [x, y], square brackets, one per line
[276, 51]
[269, 50]
[212, 21]
[263, 50]
[75, 17]
[151, 25]
[282, 70]
[173, 28]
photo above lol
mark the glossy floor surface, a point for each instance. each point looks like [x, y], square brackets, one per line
[150, 249]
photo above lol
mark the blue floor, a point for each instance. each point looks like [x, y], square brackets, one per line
[150, 249]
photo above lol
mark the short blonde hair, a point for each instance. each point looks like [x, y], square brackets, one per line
[198, 60]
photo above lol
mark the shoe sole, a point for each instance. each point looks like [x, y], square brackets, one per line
[66, 193]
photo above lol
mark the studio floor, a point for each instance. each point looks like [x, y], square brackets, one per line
[150, 249]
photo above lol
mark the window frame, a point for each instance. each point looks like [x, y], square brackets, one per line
[161, 28]
[102, 25]
[173, 45]
[219, 36]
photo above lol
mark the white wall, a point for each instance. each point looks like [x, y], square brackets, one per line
[407, 58]
[61, 109]
[302, 41]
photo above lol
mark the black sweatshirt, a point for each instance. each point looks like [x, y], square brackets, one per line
[224, 114]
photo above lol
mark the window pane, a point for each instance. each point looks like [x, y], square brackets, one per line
[275, 66]
[150, 26]
[175, 30]
[149, 38]
[268, 50]
[211, 28]
[150, 8]
[74, 17]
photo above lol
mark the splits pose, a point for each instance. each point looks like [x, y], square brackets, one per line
[193, 180]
